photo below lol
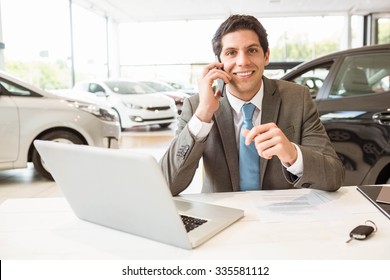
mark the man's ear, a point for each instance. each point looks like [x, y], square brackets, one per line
[266, 56]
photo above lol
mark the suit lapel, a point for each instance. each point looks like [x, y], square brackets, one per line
[225, 124]
[270, 112]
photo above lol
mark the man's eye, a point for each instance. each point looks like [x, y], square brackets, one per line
[230, 53]
[252, 51]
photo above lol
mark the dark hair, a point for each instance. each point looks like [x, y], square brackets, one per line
[239, 22]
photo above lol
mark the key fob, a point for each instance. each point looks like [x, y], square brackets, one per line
[361, 232]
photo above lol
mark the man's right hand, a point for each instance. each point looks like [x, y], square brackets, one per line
[208, 99]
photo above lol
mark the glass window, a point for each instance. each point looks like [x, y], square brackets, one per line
[36, 35]
[362, 74]
[383, 30]
[124, 87]
[95, 88]
[11, 89]
[313, 78]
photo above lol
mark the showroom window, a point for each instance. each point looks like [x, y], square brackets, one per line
[383, 29]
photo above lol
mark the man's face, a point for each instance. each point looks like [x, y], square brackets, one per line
[244, 60]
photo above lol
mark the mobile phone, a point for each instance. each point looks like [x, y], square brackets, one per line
[220, 83]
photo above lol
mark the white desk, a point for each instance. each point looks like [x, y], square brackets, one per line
[46, 228]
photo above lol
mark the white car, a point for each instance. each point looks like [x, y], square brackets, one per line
[136, 103]
[28, 113]
[163, 87]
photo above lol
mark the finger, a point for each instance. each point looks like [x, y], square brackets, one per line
[267, 154]
[245, 132]
[263, 147]
[262, 128]
[217, 92]
[221, 74]
[250, 135]
[211, 66]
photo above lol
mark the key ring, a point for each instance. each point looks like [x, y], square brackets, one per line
[363, 231]
[372, 223]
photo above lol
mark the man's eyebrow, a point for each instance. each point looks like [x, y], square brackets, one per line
[247, 47]
[254, 45]
[229, 49]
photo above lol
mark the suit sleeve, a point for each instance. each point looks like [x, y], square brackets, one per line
[181, 160]
[322, 168]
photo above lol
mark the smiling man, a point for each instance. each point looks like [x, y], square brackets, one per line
[262, 134]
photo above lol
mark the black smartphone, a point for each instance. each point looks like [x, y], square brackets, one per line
[220, 83]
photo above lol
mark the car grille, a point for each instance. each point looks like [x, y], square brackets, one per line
[140, 120]
[161, 108]
[159, 119]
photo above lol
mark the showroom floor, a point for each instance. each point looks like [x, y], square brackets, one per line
[26, 183]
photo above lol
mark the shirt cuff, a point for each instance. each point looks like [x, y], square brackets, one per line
[297, 167]
[198, 128]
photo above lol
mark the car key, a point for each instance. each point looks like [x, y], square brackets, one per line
[361, 232]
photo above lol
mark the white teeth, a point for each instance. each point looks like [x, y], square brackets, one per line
[242, 74]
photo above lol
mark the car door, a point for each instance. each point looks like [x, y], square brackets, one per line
[356, 114]
[9, 128]
[353, 101]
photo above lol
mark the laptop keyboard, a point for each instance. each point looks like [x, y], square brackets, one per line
[191, 223]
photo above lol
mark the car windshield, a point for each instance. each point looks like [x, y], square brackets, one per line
[160, 86]
[128, 87]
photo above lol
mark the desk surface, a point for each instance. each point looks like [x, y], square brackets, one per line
[278, 225]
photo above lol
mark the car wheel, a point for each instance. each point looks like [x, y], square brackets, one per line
[339, 135]
[370, 148]
[164, 125]
[62, 136]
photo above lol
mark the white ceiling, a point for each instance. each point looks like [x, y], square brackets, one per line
[162, 10]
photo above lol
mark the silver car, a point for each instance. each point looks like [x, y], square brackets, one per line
[28, 113]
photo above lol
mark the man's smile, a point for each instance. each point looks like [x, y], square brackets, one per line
[244, 74]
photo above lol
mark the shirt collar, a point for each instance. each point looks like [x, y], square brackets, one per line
[237, 103]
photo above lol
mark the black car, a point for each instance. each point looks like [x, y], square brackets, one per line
[352, 92]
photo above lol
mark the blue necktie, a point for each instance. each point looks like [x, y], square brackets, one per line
[248, 156]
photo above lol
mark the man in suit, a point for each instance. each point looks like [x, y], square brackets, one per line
[291, 145]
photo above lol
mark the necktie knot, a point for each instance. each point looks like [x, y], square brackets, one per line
[247, 111]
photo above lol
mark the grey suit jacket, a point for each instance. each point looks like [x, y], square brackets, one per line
[289, 106]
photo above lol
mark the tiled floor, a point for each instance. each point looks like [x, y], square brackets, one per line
[27, 183]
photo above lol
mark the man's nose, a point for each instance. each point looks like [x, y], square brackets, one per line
[242, 59]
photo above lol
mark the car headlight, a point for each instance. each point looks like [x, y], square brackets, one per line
[105, 114]
[132, 106]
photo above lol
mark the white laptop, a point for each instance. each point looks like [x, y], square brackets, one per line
[127, 191]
